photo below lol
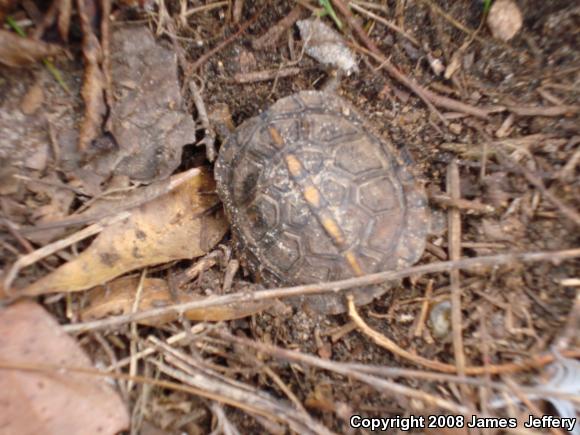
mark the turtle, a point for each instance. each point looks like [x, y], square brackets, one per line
[314, 194]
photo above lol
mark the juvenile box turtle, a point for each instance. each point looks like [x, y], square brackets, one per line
[314, 195]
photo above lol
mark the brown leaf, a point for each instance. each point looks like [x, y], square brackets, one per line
[118, 297]
[16, 51]
[52, 402]
[148, 119]
[185, 223]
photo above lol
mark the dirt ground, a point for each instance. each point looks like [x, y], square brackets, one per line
[518, 170]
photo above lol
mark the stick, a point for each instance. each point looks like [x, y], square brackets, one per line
[330, 287]
[454, 240]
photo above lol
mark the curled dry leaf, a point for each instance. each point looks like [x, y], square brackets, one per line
[184, 223]
[118, 297]
[55, 401]
[16, 51]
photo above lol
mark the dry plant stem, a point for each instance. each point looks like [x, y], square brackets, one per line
[205, 8]
[237, 10]
[475, 207]
[384, 371]
[382, 385]
[134, 334]
[430, 98]
[569, 334]
[388, 344]
[270, 38]
[454, 239]
[196, 329]
[567, 171]
[385, 22]
[544, 111]
[50, 249]
[298, 357]
[209, 138]
[181, 386]
[468, 31]
[269, 74]
[534, 180]
[285, 388]
[384, 62]
[250, 403]
[330, 287]
[247, 397]
[206, 56]
[424, 309]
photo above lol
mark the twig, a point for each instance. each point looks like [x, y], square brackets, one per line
[237, 11]
[544, 111]
[470, 32]
[430, 98]
[567, 171]
[475, 207]
[330, 287]
[424, 309]
[385, 22]
[270, 38]
[209, 138]
[269, 74]
[384, 62]
[205, 8]
[569, 334]
[391, 346]
[134, 335]
[381, 385]
[533, 179]
[236, 393]
[206, 56]
[454, 241]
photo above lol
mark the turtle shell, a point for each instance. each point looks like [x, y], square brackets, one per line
[314, 195]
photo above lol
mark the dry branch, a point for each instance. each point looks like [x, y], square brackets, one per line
[333, 286]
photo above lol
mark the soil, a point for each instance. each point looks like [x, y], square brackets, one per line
[511, 311]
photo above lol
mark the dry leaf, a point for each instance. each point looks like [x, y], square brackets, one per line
[111, 205]
[52, 402]
[16, 51]
[184, 223]
[148, 120]
[118, 297]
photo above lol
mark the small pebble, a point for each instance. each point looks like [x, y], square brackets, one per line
[505, 19]
[455, 128]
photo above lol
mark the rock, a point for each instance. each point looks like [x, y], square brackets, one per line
[505, 19]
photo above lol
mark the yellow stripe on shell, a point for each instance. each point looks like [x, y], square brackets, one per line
[294, 166]
[353, 262]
